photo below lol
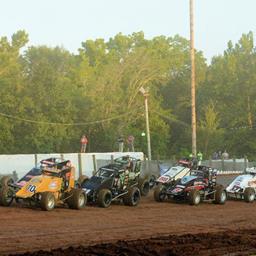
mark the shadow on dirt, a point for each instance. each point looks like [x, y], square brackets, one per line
[241, 242]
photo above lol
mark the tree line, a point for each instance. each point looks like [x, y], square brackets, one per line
[50, 97]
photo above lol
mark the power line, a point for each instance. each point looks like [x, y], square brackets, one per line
[65, 124]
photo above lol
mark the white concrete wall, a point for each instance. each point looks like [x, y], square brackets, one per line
[23, 163]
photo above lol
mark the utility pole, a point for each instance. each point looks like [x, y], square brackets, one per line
[193, 80]
[146, 94]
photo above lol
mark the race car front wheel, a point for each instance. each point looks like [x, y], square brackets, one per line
[144, 187]
[132, 198]
[47, 201]
[249, 195]
[160, 193]
[194, 197]
[77, 199]
[104, 198]
[220, 195]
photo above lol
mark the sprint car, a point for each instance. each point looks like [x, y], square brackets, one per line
[116, 181]
[51, 184]
[243, 186]
[168, 178]
[199, 186]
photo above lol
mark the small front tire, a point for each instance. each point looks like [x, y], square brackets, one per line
[159, 193]
[144, 187]
[47, 201]
[77, 200]
[249, 195]
[220, 195]
[104, 198]
[132, 198]
[194, 197]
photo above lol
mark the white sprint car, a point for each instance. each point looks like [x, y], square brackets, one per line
[243, 186]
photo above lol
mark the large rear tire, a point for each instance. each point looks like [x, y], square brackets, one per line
[81, 180]
[249, 195]
[160, 193]
[152, 181]
[132, 198]
[194, 197]
[77, 199]
[104, 198]
[144, 187]
[6, 196]
[6, 181]
[47, 201]
[220, 195]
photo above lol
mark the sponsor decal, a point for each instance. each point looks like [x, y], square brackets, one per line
[53, 185]
[198, 183]
[176, 190]
[22, 183]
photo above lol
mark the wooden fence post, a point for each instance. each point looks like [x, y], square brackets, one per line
[94, 164]
[80, 164]
[234, 164]
[245, 163]
[36, 159]
[222, 164]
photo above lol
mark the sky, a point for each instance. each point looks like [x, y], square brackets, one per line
[67, 23]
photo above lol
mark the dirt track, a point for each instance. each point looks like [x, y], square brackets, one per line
[213, 229]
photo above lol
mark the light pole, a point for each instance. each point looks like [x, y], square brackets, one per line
[145, 93]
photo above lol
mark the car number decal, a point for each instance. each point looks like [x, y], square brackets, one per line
[163, 179]
[31, 188]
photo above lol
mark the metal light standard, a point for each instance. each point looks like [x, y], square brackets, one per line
[146, 94]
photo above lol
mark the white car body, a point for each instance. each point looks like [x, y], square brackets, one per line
[241, 182]
[174, 173]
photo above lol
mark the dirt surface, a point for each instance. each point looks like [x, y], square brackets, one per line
[149, 229]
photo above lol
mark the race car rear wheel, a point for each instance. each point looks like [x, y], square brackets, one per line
[6, 196]
[132, 198]
[220, 195]
[144, 187]
[194, 197]
[47, 201]
[104, 198]
[159, 193]
[152, 181]
[6, 181]
[249, 195]
[77, 199]
[81, 180]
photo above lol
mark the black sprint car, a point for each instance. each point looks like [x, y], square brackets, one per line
[199, 186]
[119, 180]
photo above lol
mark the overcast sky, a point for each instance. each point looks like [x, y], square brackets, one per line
[69, 22]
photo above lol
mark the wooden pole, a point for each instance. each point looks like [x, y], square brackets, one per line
[193, 80]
